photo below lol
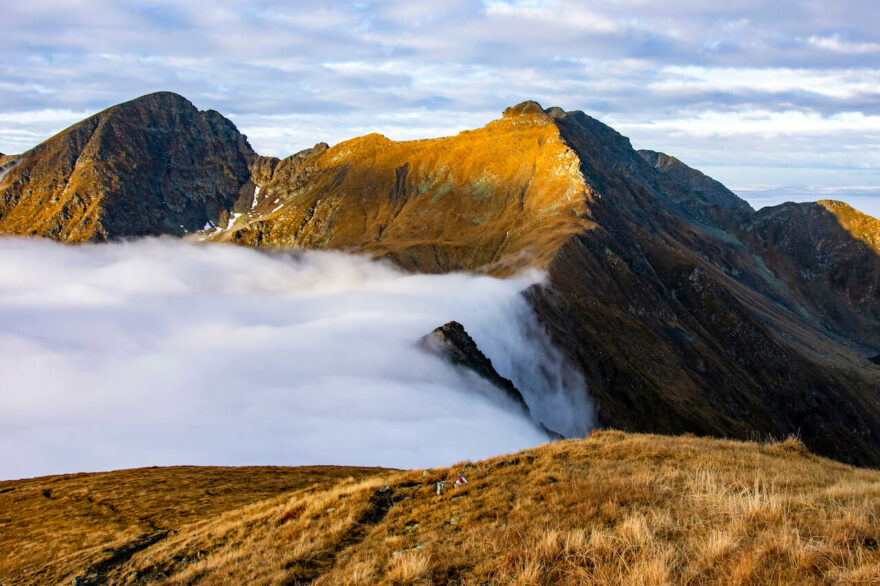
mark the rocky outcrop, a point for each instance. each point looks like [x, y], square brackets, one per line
[684, 309]
[155, 165]
[7, 162]
[452, 342]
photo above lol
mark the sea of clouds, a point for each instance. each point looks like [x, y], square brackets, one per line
[162, 352]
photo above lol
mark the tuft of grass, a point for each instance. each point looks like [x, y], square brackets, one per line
[411, 568]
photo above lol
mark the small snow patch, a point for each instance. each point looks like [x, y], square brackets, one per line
[256, 196]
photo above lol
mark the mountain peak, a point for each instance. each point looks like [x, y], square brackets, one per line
[161, 98]
[147, 104]
[152, 165]
[860, 225]
[527, 108]
[533, 108]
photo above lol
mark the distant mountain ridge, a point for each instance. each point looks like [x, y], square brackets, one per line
[684, 309]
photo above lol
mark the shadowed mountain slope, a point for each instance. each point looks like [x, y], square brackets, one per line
[827, 255]
[676, 323]
[683, 308]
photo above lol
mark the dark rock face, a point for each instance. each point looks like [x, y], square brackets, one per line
[452, 342]
[705, 199]
[155, 165]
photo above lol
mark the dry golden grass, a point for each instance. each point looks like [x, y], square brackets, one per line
[53, 526]
[611, 509]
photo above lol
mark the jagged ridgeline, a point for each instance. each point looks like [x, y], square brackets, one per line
[684, 309]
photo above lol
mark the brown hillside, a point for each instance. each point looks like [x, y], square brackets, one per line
[53, 526]
[611, 509]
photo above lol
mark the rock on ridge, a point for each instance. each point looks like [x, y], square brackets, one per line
[452, 342]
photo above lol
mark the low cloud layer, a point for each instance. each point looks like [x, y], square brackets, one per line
[159, 352]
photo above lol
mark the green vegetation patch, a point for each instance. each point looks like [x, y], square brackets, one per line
[445, 188]
[431, 179]
[481, 219]
[482, 187]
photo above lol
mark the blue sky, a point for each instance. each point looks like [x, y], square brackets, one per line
[779, 100]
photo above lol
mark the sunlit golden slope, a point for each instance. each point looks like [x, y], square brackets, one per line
[861, 226]
[505, 195]
[612, 509]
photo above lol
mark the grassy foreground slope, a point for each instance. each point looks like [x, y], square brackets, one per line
[613, 508]
[58, 525]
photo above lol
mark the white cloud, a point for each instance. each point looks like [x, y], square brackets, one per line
[762, 123]
[39, 117]
[559, 13]
[333, 70]
[162, 352]
[832, 83]
[840, 46]
[20, 131]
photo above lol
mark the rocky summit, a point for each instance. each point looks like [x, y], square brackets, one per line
[684, 309]
[155, 165]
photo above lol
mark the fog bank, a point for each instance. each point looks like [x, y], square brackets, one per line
[160, 352]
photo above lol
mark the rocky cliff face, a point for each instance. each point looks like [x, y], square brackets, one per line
[155, 165]
[684, 309]
[452, 342]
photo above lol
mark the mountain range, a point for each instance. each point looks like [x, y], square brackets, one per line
[684, 309]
